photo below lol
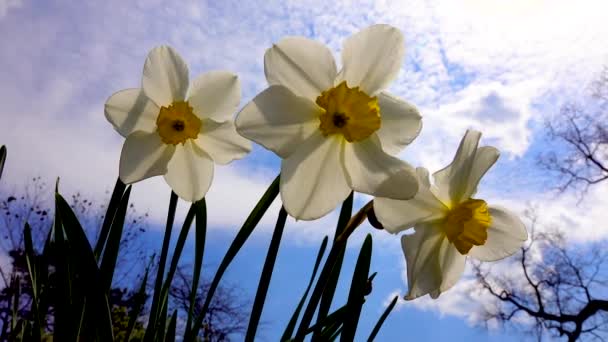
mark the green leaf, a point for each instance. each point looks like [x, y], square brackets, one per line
[260, 296]
[358, 290]
[170, 336]
[43, 277]
[26, 332]
[332, 321]
[18, 331]
[117, 194]
[90, 302]
[336, 334]
[199, 249]
[110, 254]
[64, 317]
[30, 258]
[179, 247]
[330, 269]
[140, 300]
[2, 158]
[332, 282]
[294, 318]
[160, 273]
[16, 293]
[385, 314]
[162, 324]
[240, 239]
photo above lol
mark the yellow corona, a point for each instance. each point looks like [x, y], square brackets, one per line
[466, 225]
[177, 123]
[348, 111]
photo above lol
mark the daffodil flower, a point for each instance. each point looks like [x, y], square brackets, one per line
[335, 131]
[449, 223]
[174, 129]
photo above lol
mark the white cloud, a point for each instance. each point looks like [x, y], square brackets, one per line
[483, 64]
[6, 5]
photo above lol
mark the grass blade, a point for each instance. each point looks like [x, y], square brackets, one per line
[199, 251]
[140, 300]
[328, 270]
[383, 317]
[2, 158]
[160, 274]
[240, 239]
[16, 293]
[260, 296]
[332, 321]
[332, 282]
[335, 334]
[64, 317]
[294, 318]
[358, 289]
[117, 193]
[30, 258]
[90, 299]
[170, 336]
[179, 247]
[162, 325]
[110, 254]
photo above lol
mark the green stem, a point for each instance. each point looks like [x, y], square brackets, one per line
[151, 328]
[119, 189]
[240, 239]
[199, 249]
[260, 297]
[385, 314]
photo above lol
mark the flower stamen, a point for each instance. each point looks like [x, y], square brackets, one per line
[348, 111]
[177, 123]
[466, 225]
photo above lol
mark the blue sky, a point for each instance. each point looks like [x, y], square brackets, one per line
[500, 67]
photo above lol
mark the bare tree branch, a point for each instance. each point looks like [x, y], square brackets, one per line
[563, 290]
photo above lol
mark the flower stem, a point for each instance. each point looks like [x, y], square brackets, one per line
[151, 328]
[260, 297]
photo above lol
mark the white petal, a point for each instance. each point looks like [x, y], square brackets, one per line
[451, 263]
[401, 123]
[372, 171]
[143, 156]
[190, 172]
[304, 66]
[215, 95]
[485, 157]
[433, 264]
[372, 58]
[312, 178]
[130, 110]
[423, 177]
[222, 142]
[165, 77]
[505, 236]
[459, 180]
[396, 215]
[279, 120]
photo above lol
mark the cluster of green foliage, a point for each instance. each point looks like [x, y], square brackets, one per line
[71, 298]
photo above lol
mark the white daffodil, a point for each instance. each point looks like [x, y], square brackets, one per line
[175, 130]
[449, 224]
[335, 131]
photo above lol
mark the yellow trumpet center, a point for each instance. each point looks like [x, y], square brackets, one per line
[177, 123]
[348, 111]
[466, 225]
